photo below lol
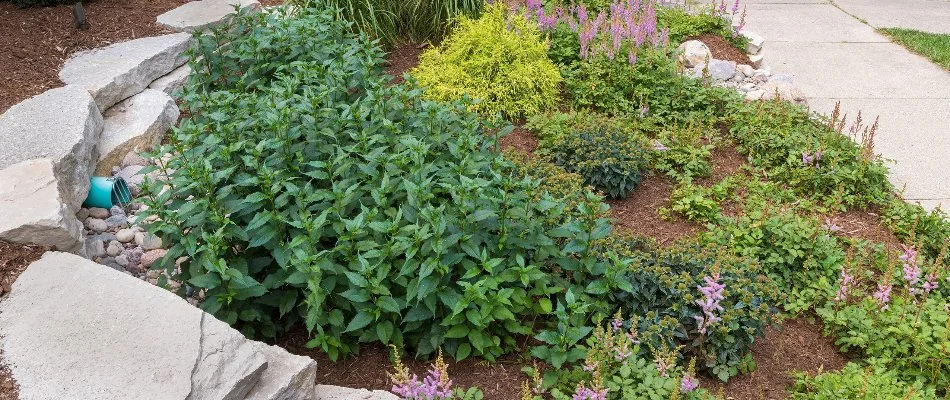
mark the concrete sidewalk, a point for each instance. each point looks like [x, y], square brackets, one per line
[835, 57]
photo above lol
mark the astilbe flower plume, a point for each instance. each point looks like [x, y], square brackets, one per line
[689, 382]
[912, 271]
[883, 294]
[584, 393]
[712, 294]
[435, 386]
[844, 285]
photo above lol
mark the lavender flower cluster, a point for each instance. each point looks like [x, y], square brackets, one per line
[435, 386]
[712, 295]
[627, 21]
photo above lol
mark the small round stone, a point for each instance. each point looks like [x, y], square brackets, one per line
[97, 212]
[150, 257]
[114, 249]
[95, 224]
[125, 235]
[82, 214]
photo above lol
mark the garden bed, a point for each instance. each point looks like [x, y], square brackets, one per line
[34, 42]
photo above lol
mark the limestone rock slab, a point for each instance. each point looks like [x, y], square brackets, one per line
[134, 124]
[74, 329]
[172, 82]
[693, 53]
[116, 72]
[228, 364]
[327, 392]
[33, 210]
[62, 125]
[201, 15]
[288, 377]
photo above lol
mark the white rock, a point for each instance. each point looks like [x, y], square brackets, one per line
[125, 235]
[693, 52]
[33, 209]
[95, 224]
[755, 41]
[288, 377]
[722, 70]
[62, 125]
[756, 59]
[150, 242]
[201, 15]
[100, 213]
[754, 95]
[134, 125]
[746, 70]
[173, 81]
[228, 366]
[327, 392]
[116, 72]
[107, 335]
[784, 91]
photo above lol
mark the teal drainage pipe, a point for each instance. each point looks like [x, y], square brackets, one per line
[107, 192]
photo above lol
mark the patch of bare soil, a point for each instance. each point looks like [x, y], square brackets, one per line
[14, 258]
[797, 346]
[639, 213]
[500, 380]
[867, 225]
[519, 140]
[401, 59]
[723, 50]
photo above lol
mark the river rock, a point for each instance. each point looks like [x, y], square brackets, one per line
[96, 225]
[693, 52]
[125, 235]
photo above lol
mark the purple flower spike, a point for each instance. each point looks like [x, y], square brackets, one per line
[712, 295]
[689, 384]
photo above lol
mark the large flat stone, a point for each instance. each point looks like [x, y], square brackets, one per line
[288, 377]
[327, 392]
[32, 208]
[172, 82]
[116, 72]
[201, 15]
[228, 365]
[62, 125]
[134, 124]
[74, 329]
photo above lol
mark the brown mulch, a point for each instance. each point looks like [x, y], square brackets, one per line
[519, 139]
[867, 225]
[639, 213]
[723, 50]
[500, 380]
[34, 42]
[798, 346]
[401, 59]
[14, 258]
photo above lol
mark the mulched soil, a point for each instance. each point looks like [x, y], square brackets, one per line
[867, 225]
[797, 346]
[34, 42]
[639, 213]
[401, 59]
[723, 50]
[14, 258]
[519, 139]
[500, 380]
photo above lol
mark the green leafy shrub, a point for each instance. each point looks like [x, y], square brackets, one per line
[814, 158]
[609, 159]
[392, 21]
[561, 186]
[683, 155]
[550, 127]
[664, 293]
[304, 190]
[793, 250]
[683, 25]
[856, 383]
[698, 203]
[499, 59]
[913, 340]
[912, 224]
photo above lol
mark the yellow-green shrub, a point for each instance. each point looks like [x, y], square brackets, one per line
[499, 59]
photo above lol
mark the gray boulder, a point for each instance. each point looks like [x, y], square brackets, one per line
[288, 377]
[201, 15]
[722, 70]
[327, 392]
[693, 53]
[133, 125]
[116, 72]
[62, 125]
[173, 81]
[33, 208]
[103, 334]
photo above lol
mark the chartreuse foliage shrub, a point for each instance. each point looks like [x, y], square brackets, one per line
[812, 157]
[666, 301]
[610, 159]
[857, 383]
[304, 190]
[392, 21]
[498, 59]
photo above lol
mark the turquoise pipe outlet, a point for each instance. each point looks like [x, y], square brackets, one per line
[107, 192]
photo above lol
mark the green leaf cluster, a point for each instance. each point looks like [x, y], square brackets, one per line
[499, 59]
[610, 159]
[856, 383]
